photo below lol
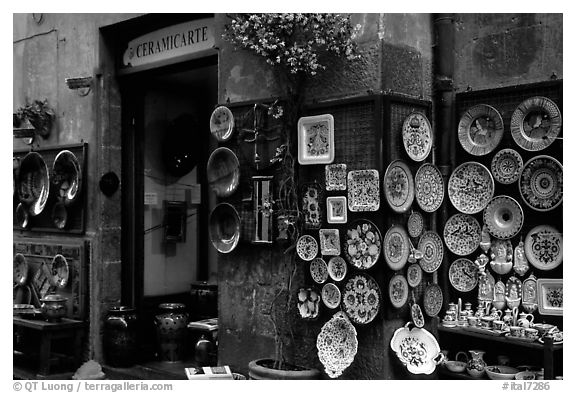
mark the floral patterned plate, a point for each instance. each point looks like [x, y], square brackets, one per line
[417, 349]
[316, 140]
[398, 290]
[337, 344]
[503, 217]
[415, 224]
[541, 183]
[463, 275]
[363, 190]
[307, 247]
[396, 247]
[550, 296]
[335, 177]
[329, 241]
[311, 198]
[480, 129]
[470, 187]
[536, 123]
[429, 188]
[361, 298]
[222, 123]
[363, 244]
[414, 275]
[336, 212]
[543, 247]
[337, 268]
[319, 270]
[398, 185]
[462, 234]
[417, 136]
[331, 295]
[433, 300]
[506, 166]
[432, 249]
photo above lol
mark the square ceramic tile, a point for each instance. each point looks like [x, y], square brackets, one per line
[550, 296]
[336, 177]
[316, 140]
[363, 190]
[329, 241]
[336, 211]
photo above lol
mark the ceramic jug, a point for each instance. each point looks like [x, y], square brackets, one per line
[497, 314]
[508, 318]
[525, 320]
[476, 365]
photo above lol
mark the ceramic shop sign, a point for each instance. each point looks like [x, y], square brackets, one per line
[170, 44]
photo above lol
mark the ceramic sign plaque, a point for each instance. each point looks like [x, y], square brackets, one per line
[506, 166]
[463, 275]
[433, 300]
[536, 123]
[396, 247]
[415, 224]
[480, 129]
[363, 244]
[329, 241]
[398, 290]
[336, 211]
[310, 202]
[307, 247]
[541, 183]
[319, 270]
[503, 217]
[470, 187]
[417, 136]
[432, 249]
[398, 185]
[550, 296]
[429, 188]
[337, 344]
[263, 199]
[363, 190]
[462, 234]
[543, 247]
[316, 140]
[361, 299]
[336, 177]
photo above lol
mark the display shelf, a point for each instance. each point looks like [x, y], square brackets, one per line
[452, 375]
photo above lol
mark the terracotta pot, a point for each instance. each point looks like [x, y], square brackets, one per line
[53, 307]
[120, 343]
[171, 331]
[263, 369]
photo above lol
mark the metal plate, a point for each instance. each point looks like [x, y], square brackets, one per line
[536, 123]
[480, 129]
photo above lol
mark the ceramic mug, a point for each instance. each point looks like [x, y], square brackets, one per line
[473, 321]
[531, 333]
[498, 325]
[516, 331]
[486, 321]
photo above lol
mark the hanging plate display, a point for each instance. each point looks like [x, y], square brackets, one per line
[480, 129]
[319, 270]
[432, 249]
[463, 275]
[396, 247]
[222, 123]
[417, 136]
[530, 294]
[535, 123]
[33, 183]
[417, 349]
[429, 188]
[331, 295]
[67, 176]
[506, 166]
[316, 140]
[503, 217]
[306, 247]
[335, 177]
[433, 300]
[470, 187]
[224, 227]
[415, 224]
[363, 190]
[398, 185]
[363, 244]
[398, 290]
[414, 275]
[311, 198]
[337, 268]
[462, 234]
[223, 172]
[550, 296]
[543, 247]
[513, 292]
[361, 299]
[337, 344]
[541, 183]
[329, 241]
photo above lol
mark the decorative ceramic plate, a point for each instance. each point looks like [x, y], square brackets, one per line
[470, 187]
[417, 349]
[415, 224]
[319, 270]
[417, 136]
[331, 295]
[417, 316]
[396, 247]
[429, 188]
[503, 217]
[224, 227]
[535, 123]
[541, 183]
[20, 269]
[513, 292]
[336, 211]
[59, 271]
[414, 275]
[433, 300]
[462, 234]
[67, 176]
[398, 290]
[316, 140]
[311, 198]
[337, 344]
[398, 186]
[307, 247]
[506, 166]
[530, 294]
[329, 241]
[543, 247]
[336, 177]
[363, 244]
[480, 129]
[463, 275]
[33, 183]
[363, 190]
[432, 249]
[361, 299]
[223, 172]
[550, 296]
[337, 268]
[222, 123]
[308, 303]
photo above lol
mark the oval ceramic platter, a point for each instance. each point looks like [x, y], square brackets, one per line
[541, 183]
[415, 224]
[337, 268]
[67, 176]
[429, 188]
[222, 123]
[463, 275]
[361, 298]
[363, 244]
[398, 185]
[417, 316]
[331, 295]
[337, 344]
[506, 166]
[33, 183]
[414, 275]
[398, 290]
[503, 217]
[60, 271]
[432, 249]
[470, 187]
[462, 234]
[416, 348]
[433, 300]
[417, 136]
[543, 247]
[536, 123]
[223, 172]
[396, 247]
[319, 270]
[307, 247]
[480, 129]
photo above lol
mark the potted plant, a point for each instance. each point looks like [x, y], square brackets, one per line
[34, 118]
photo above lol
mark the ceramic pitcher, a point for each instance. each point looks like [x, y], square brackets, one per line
[508, 318]
[525, 320]
[496, 314]
[476, 365]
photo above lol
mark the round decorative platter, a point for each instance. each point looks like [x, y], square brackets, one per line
[535, 123]
[480, 129]
[337, 268]
[462, 234]
[506, 166]
[417, 136]
[398, 185]
[398, 290]
[463, 275]
[307, 247]
[541, 183]
[429, 187]
[433, 299]
[363, 244]
[222, 123]
[59, 271]
[503, 217]
[337, 344]
[415, 224]
[33, 183]
[224, 227]
[319, 270]
[223, 172]
[396, 247]
[331, 295]
[543, 247]
[414, 275]
[470, 187]
[361, 298]
[67, 176]
[432, 249]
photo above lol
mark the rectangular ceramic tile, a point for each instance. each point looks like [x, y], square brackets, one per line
[336, 211]
[316, 140]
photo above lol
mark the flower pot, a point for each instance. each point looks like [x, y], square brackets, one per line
[265, 369]
[120, 344]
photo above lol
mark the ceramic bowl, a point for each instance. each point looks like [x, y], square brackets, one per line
[67, 176]
[525, 375]
[224, 227]
[33, 183]
[53, 307]
[543, 328]
[223, 172]
[501, 372]
[455, 366]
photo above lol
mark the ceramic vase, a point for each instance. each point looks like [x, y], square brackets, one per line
[120, 331]
[476, 366]
[171, 331]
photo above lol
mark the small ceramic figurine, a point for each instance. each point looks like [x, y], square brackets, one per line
[501, 256]
[481, 263]
[499, 295]
[520, 263]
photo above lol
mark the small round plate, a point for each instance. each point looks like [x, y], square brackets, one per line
[224, 227]
[414, 275]
[331, 295]
[398, 185]
[59, 271]
[20, 269]
[541, 183]
[433, 300]
[544, 247]
[319, 270]
[470, 187]
[67, 176]
[398, 290]
[307, 247]
[432, 249]
[417, 136]
[429, 187]
[33, 183]
[415, 224]
[363, 244]
[396, 247]
[462, 234]
[506, 166]
[503, 217]
[535, 123]
[337, 268]
[223, 172]
[361, 298]
[480, 129]
[463, 275]
[222, 123]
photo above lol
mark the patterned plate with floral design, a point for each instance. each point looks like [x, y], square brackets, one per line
[463, 275]
[536, 123]
[432, 248]
[363, 190]
[462, 234]
[433, 300]
[329, 241]
[503, 217]
[414, 275]
[550, 296]
[396, 247]
[331, 295]
[337, 268]
[541, 183]
[398, 186]
[311, 198]
[470, 187]
[417, 136]
[222, 123]
[361, 298]
[319, 270]
[506, 166]
[429, 188]
[363, 244]
[415, 224]
[337, 344]
[543, 247]
[335, 177]
[480, 129]
[306, 247]
[398, 290]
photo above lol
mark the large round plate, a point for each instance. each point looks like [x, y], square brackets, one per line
[59, 271]
[361, 298]
[33, 183]
[363, 244]
[331, 295]
[463, 275]
[20, 269]
[414, 275]
[535, 123]
[319, 270]
[398, 290]
[541, 183]
[432, 248]
[223, 171]
[506, 166]
[396, 247]
[462, 234]
[480, 129]
[543, 247]
[415, 224]
[398, 185]
[470, 187]
[67, 176]
[337, 268]
[224, 227]
[433, 300]
[503, 217]
[307, 247]
[417, 136]
[337, 344]
[429, 188]
[222, 123]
